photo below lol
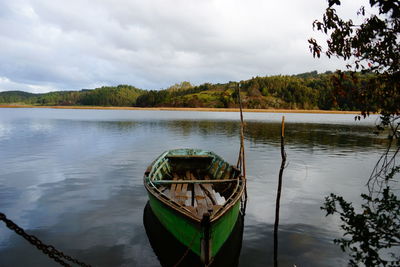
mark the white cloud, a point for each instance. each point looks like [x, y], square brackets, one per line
[52, 45]
[15, 86]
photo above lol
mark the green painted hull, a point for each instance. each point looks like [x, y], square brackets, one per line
[189, 232]
[206, 226]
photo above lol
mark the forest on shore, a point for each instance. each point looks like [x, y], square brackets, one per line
[309, 90]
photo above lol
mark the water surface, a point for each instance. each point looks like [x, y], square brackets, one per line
[74, 179]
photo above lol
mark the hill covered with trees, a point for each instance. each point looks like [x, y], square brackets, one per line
[304, 91]
[121, 95]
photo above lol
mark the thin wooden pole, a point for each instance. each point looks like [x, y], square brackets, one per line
[278, 194]
[242, 159]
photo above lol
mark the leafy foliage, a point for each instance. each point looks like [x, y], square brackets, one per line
[303, 91]
[121, 95]
[373, 46]
[372, 230]
[15, 97]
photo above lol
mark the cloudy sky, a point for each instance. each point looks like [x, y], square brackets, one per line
[48, 45]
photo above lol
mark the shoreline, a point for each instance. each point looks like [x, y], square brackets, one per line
[315, 111]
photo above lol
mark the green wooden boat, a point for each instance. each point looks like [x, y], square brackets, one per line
[197, 196]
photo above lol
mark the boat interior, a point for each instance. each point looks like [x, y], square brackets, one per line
[198, 184]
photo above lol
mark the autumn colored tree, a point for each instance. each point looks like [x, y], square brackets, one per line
[371, 234]
[371, 46]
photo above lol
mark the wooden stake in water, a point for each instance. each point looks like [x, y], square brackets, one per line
[241, 164]
[278, 194]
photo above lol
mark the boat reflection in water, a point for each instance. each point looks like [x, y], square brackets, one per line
[170, 251]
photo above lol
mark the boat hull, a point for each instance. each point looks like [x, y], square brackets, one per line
[191, 233]
[196, 196]
[172, 254]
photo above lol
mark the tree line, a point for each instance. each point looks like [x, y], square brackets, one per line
[309, 90]
[121, 95]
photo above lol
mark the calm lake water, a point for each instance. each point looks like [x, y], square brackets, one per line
[74, 179]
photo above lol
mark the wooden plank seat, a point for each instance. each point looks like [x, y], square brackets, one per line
[194, 181]
[189, 156]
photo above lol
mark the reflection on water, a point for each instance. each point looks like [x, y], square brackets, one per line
[310, 135]
[74, 178]
[170, 251]
[301, 135]
[299, 244]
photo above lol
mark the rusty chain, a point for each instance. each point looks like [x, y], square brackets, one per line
[49, 250]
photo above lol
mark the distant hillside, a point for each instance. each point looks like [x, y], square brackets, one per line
[121, 95]
[15, 97]
[303, 91]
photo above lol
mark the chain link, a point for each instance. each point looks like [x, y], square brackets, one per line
[49, 250]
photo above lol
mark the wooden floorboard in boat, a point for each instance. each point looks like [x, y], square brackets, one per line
[209, 193]
[204, 196]
[201, 201]
[178, 189]
[184, 189]
[182, 195]
[172, 194]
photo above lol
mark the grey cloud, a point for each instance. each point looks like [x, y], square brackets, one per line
[153, 44]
